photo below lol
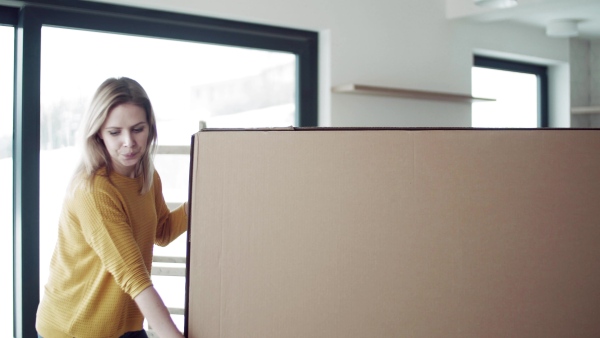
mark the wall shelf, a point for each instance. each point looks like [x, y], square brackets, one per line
[585, 110]
[407, 93]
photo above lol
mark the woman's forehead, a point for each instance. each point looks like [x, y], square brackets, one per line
[125, 115]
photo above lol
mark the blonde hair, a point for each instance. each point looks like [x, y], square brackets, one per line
[94, 155]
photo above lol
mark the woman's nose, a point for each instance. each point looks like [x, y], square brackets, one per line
[129, 141]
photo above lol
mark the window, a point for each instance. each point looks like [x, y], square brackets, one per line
[520, 91]
[7, 40]
[220, 85]
[45, 124]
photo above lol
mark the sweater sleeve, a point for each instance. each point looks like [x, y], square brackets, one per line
[171, 224]
[106, 229]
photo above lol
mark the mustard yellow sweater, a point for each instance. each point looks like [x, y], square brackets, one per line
[103, 257]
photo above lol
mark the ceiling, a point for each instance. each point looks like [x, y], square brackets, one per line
[541, 12]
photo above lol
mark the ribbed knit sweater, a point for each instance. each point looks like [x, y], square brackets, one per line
[103, 257]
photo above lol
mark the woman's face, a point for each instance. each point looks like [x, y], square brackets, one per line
[125, 135]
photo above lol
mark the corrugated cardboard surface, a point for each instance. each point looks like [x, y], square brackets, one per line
[395, 233]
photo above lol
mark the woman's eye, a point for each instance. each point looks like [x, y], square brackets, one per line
[138, 130]
[113, 133]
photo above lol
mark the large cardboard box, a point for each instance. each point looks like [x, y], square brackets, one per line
[394, 233]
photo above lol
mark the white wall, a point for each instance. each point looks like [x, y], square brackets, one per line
[559, 100]
[585, 80]
[407, 44]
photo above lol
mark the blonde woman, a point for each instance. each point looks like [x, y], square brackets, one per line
[99, 283]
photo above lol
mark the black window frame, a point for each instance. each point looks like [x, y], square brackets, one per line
[540, 71]
[28, 17]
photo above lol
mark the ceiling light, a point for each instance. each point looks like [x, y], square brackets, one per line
[562, 28]
[496, 3]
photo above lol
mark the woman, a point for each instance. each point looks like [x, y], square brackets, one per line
[113, 214]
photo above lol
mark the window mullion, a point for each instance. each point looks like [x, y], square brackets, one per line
[26, 173]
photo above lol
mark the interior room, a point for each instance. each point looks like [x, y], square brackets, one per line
[330, 63]
[427, 45]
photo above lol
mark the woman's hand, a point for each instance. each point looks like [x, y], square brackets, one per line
[156, 313]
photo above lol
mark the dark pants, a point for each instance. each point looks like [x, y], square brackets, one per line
[132, 334]
[135, 334]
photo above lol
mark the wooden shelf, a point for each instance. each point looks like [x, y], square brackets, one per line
[407, 93]
[586, 110]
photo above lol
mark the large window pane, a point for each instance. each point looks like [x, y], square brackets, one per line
[516, 95]
[187, 83]
[6, 178]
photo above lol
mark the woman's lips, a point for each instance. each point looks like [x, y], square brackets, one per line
[130, 155]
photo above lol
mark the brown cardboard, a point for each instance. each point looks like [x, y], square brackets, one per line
[395, 233]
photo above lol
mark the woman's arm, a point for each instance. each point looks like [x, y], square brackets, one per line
[170, 224]
[156, 313]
